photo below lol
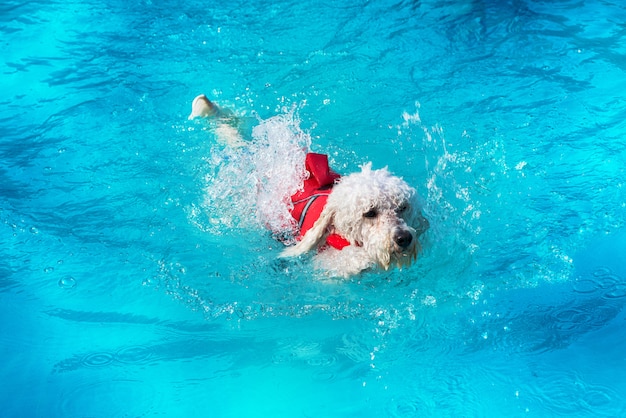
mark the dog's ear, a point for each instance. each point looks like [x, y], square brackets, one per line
[313, 236]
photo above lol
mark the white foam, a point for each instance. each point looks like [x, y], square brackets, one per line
[279, 149]
[252, 185]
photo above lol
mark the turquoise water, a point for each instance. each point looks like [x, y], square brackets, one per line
[129, 287]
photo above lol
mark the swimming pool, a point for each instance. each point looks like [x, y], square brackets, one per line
[129, 289]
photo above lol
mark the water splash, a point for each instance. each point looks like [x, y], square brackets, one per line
[242, 189]
[480, 206]
[251, 186]
[278, 152]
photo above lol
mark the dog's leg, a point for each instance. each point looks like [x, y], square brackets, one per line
[313, 236]
[202, 107]
[344, 263]
[226, 130]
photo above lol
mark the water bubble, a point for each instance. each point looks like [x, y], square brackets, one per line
[151, 281]
[48, 269]
[67, 282]
[34, 230]
[430, 300]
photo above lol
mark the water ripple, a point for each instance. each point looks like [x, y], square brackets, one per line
[136, 354]
[122, 398]
[566, 393]
[548, 327]
[98, 359]
[128, 355]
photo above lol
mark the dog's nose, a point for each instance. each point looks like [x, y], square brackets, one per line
[403, 238]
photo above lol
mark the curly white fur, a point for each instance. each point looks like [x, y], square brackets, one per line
[377, 213]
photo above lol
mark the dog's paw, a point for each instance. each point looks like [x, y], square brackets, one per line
[202, 107]
[292, 251]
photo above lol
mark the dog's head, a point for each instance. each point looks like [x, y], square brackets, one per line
[373, 210]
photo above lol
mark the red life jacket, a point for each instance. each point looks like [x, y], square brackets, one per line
[309, 203]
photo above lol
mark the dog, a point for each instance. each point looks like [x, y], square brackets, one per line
[366, 220]
[356, 222]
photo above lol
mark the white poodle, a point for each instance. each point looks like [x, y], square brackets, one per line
[370, 219]
[364, 220]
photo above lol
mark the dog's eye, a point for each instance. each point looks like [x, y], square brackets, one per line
[372, 213]
[403, 208]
